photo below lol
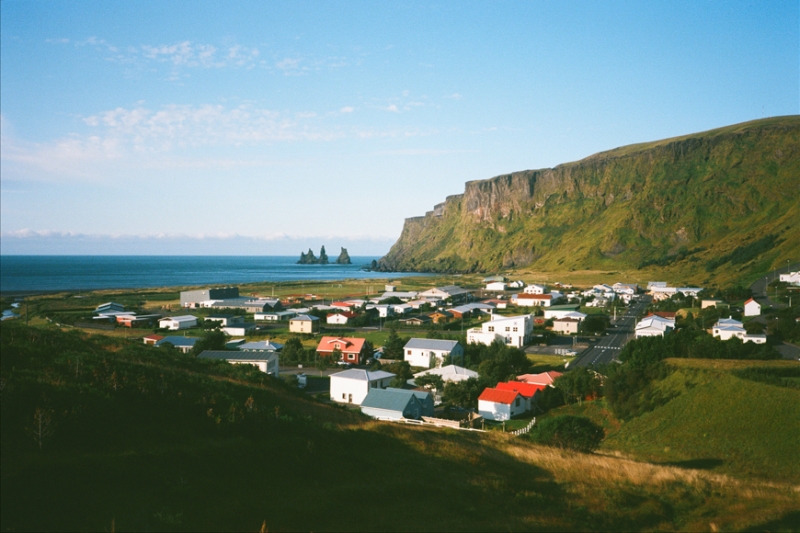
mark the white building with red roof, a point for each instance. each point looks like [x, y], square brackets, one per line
[752, 308]
[527, 390]
[496, 404]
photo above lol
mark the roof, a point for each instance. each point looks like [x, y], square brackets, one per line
[526, 296]
[391, 399]
[416, 318]
[346, 314]
[655, 321]
[229, 355]
[154, 337]
[566, 319]
[545, 378]
[350, 344]
[430, 344]
[304, 318]
[449, 372]
[564, 307]
[264, 346]
[498, 396]
[182, 318]
[525, 389]
[175, 340]
[728, 322]
[664, 314]
[363, 375]
[751, 300]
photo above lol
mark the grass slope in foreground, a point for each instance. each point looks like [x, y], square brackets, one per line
[156, 440]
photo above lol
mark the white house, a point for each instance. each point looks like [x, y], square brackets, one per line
[496, 286]
[178, 322]
[792, 278]
[275, 316]
[304, 324]
[563, 311]
[568, 326]
[496, 404]
[752, 308]
[226, 320]
[443, 293]
[654, 326]
[353, 385]
[238, 330]
[265, 361]
[625, 288]
[511, 330]
[535, 289]
[401, 309]
[339, 318]
[384, 311]
[689, 291]
[260, 346]
[528, 300]
[519, 284]
[427, 353]
[452, 373]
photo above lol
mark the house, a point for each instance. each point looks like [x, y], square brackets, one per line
[497, 303]
[238, 330]
[400, 309]
[625, 288]
[304, 324]
[533, 288]
[545, 378]
[342, 306]
[511, 330]
[178, 322]
[792, 278]
[403, 295]
[384, 311]
[340, 318]
[689, 291]
[416, 321]
[390, 288]
[265, 361]
[752, 308]
[226, 320]
[153, 339]
[567, 326]
[496, 286]
[440, 317]
[516, 284]
[449, 373]
[196, 298]
[563, 311]
[710, 303]
[353, 385]
[496, 404]
[397, 404]
[109, 307]
[427, 353]
[527, 299]
[183, 344]
[527, 390]
[416, 304]
[135, 321]
[659, 292]
[275, 316]
[452, 292]
[654, 326]
[669, 315]
[260, 346]
[354, 351]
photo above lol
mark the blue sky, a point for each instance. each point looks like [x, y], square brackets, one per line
[268, 127]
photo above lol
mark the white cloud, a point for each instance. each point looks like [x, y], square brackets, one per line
[455, 96]
[347, 109]
[392, 108]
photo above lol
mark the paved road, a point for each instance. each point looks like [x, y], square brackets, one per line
[759, 288]
[608, 347]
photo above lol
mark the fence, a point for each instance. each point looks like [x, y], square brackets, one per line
[526, 429]
[426, 423]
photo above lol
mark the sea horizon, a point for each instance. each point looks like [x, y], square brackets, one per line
[52, 273]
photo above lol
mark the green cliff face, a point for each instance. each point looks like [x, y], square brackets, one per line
[683, 201]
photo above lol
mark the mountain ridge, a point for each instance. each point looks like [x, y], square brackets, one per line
[706, 193]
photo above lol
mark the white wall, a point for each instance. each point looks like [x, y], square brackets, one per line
[500, 411]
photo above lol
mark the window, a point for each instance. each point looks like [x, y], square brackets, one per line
[409, 352]
[344, 396]
[516, 329]
[491, 329]
[508, 328]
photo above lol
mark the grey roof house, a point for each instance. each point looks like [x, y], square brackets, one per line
[397, 403]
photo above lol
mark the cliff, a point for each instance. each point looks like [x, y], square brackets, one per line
[686, 200]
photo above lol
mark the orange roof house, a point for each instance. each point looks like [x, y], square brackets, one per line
[545, 378]
[354, 350]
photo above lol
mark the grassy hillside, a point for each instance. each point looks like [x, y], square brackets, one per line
[134, 438]
[713, 420]
[684, 207]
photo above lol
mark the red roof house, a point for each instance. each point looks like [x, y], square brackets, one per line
[497, 404]
[545, 378]
[152, 339]
[354, 350]
[527, 390]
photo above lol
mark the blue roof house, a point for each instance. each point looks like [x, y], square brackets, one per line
[397, 403]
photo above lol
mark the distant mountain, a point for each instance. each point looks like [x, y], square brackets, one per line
[719, 201]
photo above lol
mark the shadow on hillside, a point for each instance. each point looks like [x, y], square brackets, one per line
[696, 464]
[788, 522]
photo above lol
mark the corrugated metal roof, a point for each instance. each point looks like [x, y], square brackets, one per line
[178, 341]
[430, 344]
[363, 375]
[390, 399]
[498, 396]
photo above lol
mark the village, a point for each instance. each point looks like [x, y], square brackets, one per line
[348, 351]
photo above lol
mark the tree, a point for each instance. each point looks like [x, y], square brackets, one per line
[393, 347]
[293, 350]
[568, 432]
[432, 381]
[42, 428]
[212, 340]
[579, 383]
[594, 324]
[403, 374]
[463, 393]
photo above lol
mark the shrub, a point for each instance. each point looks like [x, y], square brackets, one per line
[568, 432]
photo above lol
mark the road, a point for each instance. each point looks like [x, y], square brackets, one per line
[607, 348]
[759, 288]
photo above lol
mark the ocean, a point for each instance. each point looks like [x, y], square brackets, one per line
[25, 273]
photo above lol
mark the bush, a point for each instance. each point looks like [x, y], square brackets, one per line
[568, 432]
